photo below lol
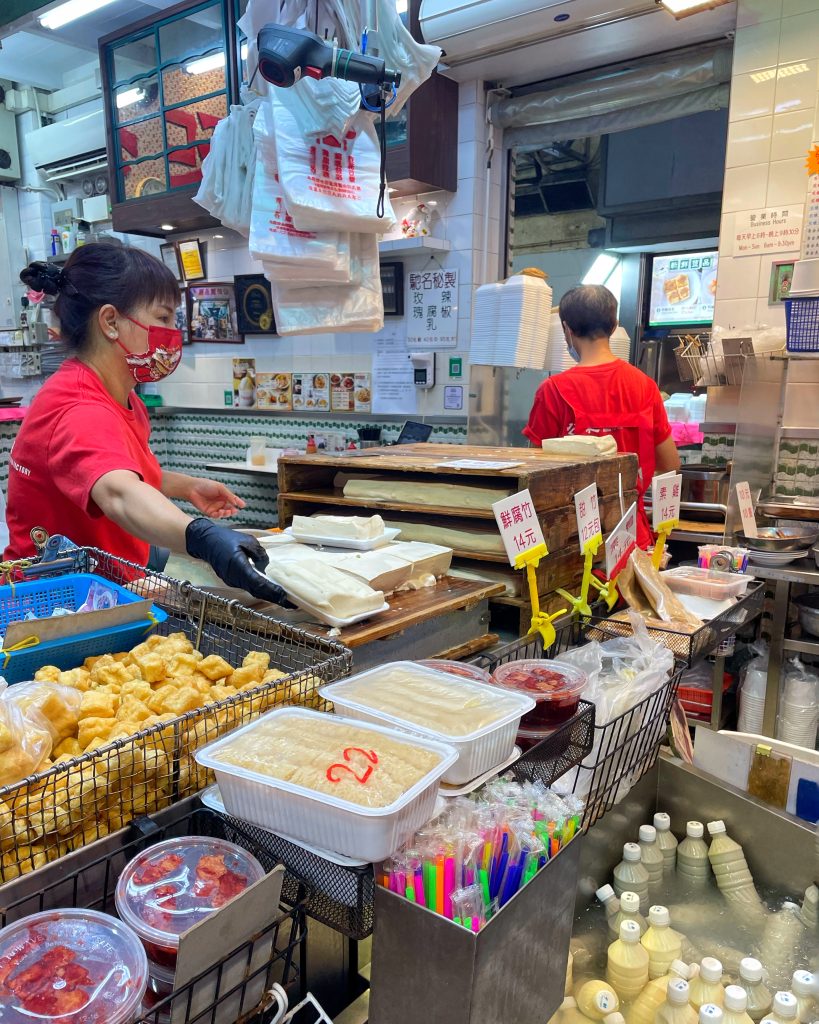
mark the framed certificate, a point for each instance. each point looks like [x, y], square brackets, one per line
[254, 304]
[190, 256]
[170, 257]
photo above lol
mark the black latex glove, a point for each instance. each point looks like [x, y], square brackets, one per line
[232, 556]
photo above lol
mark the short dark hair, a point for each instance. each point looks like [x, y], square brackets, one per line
[95, 275]
[589, 311]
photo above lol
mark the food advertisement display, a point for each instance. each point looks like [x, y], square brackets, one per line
[350, 392]
[311, 391]
[363, 392]
[274, 391]
[683, 287]
[244, 383]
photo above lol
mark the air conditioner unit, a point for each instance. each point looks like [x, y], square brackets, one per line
[70, 148]
[465, 29]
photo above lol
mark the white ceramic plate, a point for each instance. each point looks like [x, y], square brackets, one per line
[775, 559]
[370, 544]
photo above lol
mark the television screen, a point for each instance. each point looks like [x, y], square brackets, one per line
[683, 286]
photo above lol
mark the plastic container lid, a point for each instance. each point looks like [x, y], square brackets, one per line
[750, 969]
[716, 828]
[630, 903]
[172, 886]
[74, 966]
[711, 970]
[677, 992]
[694, 830]
[631, 852]
[629, 931]
[458, 668]
[736, 999]
[658, 917]
[604, 893]
[802, 984]
[648, 834]
[680, 968]
[662, 822]
[785, 1005]
[710, 1013]
[555, 687]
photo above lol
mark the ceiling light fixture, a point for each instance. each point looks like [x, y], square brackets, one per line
[685, 8]
[166, 227]
[202, 65]
[70, 11]
[129, 97]
[601, 270]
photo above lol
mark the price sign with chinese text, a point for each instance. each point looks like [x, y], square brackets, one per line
[665, 498]
[432, 309]
[518, 524]
[746, 510]
[588, 516]
[621, 542]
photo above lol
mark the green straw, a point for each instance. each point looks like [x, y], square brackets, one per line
[484, 877]
[411, 893]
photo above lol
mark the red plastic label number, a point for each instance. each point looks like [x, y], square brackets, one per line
[369, 756]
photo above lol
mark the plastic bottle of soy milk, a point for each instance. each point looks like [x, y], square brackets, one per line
[710, 1013]
[785, 1008]
[735, 1007]
[631, 875]
[692, 854]
[803, 986]
[611, 905]
[627, 969]
[644, 1008]
[663, 944]
[651, 855]
[677, 1008]
[707, 986]
[733, 877]
[629, 911]
[751, 977]
[596, 1000]
[666, 840]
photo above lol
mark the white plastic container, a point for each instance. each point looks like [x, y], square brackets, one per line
[692, 855]
[662, 943]
[651, 856]
[631, 875]
[363, 833]
[709, 583]
[677, 1008]
[627, 966]
[707, 987]
[735, 1007]
[751, 978]
[803, 986]
[666, 840]
[629, 911]
[478, 751]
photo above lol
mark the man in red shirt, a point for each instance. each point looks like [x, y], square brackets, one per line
[604, 395]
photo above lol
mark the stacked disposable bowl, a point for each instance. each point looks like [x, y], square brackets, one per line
[511, 322]
[798, 714]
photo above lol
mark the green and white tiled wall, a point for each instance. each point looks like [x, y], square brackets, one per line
[797, 469]
[717, 449]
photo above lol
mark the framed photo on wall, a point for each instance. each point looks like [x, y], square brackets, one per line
[192, 259]
[170, 257]
[781, 278]
[212, 313]
[254, 304]
[392, 288]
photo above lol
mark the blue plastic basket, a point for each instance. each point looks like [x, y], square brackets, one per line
[69, 591]
[802, 317]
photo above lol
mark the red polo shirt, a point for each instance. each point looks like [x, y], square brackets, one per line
[73, 434]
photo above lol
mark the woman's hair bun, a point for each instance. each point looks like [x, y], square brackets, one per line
[43, 277]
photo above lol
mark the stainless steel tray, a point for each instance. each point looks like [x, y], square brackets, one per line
[787, 507]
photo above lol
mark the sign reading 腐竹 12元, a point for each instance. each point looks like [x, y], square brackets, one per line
[432, 309]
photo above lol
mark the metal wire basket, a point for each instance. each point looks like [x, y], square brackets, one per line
[213, 997]
[622, 750]
[704, 363]
[81, 799]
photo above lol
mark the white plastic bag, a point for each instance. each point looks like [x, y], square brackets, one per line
[330, 183]
[359, 306]
[227, 173]
[416, 61]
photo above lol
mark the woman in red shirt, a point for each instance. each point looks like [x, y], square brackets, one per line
[604, 395]
[81, 464]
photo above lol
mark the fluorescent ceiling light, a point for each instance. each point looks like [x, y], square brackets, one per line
[401, 6]
[602, 268]
[129, 97]
[685, 8]
[70, 11]
[166, 227]
[202, 65]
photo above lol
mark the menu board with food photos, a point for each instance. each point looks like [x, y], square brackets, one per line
[311, 391]
[683, 287]
[274, 391]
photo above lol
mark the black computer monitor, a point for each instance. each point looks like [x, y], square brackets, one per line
[414, 433]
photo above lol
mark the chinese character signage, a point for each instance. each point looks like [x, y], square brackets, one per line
[431, 305]
[666, 491]
[588, 516]
[621, 542]
[777, 229]
[518, 524]
[746, 510]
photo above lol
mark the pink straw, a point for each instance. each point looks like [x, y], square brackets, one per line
[420, 896]
[449, 885]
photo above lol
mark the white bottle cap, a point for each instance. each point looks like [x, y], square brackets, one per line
[711, 970]
[736, 999]
[680, 968]
[802, 984]
[631, 852]
[710, 1013]
[630, 903]
[648, 834]
[658, 917]
[615, 1018]
[716, 828]
[630, 932]
[677, 992]
[662, 822]
[604, 1000]
[768, 1020]
[750, 969]
[604, 893]
[785, 1005]
[694, 830]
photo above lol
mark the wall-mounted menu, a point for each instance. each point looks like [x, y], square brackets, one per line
[311, 391]
[273, 391]
[350, 392]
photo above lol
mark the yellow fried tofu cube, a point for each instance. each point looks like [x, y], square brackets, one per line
[184, 699]
[133, 710]
[214, 667]
[151, 667]
[246, 677]
[156, 702]
[222, 692]
[257, 658]
[136, 688]
[47, 674]
[273, 674]
[77, 678]
[91, 663]
[98, 704]
[67, 749]
[184, 664]
[113, 675]
[197, 682]
[94, 729]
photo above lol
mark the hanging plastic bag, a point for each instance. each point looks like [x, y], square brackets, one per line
[25, 742]
[58, 705]
[330, 183]
[358, 306]
[400, 52]
[227, 173]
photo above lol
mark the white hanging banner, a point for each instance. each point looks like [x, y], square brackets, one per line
[432, 309]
